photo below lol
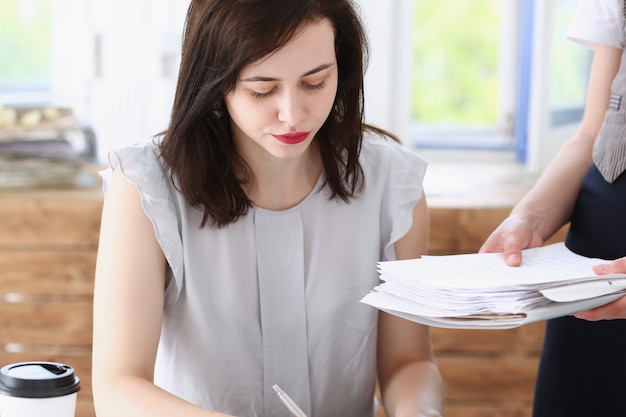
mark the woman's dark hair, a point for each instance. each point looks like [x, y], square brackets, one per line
[222, 37]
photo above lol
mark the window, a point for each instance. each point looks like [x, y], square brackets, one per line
[555, 84]
[492, 75]
[45, 54]
[25, 52]
[460, 73]
[569, 69]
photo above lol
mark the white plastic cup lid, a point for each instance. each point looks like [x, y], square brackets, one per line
[38, 380]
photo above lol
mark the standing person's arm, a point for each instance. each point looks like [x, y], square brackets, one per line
[410, 382]
[128, 310]
[548, 205]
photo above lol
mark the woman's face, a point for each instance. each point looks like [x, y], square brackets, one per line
[281, 101]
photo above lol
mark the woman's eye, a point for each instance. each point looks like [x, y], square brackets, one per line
[257, 94]
[266, 94]
[317, 86]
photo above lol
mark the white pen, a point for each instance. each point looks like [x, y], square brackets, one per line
[289, 403]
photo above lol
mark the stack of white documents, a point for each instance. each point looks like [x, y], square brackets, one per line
[481, 291]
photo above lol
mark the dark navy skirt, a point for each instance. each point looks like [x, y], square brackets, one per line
[582, 371]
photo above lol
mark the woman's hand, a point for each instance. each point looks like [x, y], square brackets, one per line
[510, 237]
[615, 309]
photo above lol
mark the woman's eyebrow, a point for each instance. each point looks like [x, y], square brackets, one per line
[313, 71]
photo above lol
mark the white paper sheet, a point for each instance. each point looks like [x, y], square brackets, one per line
[481, 291]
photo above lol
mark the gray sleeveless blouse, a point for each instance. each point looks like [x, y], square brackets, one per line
[274, 297]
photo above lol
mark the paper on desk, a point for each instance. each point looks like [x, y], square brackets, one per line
[461, 287]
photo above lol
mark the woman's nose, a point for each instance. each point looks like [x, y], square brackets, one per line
[292, 109]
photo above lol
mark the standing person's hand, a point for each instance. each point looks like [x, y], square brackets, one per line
[510, 237]
[615, 309]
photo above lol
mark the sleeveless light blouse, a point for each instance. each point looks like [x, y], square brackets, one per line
[274, 297]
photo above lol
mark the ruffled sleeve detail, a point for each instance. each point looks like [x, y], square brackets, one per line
[140, 164]
[403, 189]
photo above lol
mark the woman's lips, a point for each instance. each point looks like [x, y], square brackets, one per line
[292, 138]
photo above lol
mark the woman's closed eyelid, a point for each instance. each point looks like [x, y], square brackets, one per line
[258, 94]
[309, 86]
[317, 79]
[316, 86]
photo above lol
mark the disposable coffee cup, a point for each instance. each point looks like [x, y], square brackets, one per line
[33, 389]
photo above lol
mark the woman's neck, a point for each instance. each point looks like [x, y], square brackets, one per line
[282, 184]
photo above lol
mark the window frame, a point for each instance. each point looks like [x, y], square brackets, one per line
[525, 134]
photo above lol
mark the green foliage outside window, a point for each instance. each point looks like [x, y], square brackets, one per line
[455, 79]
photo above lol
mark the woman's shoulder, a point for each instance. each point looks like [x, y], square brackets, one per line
[378, 151]
[145, 152]
[141, 164]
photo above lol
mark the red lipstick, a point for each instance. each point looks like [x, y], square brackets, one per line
[293, 138]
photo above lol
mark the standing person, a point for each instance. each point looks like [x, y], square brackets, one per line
[582, 366]
[235, 247]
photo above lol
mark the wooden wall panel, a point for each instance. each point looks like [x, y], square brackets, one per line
[37, 273]
[521, 341]
[463, 230]
[488, 380]
[508, 409]
[53, 322]
[50, 218]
